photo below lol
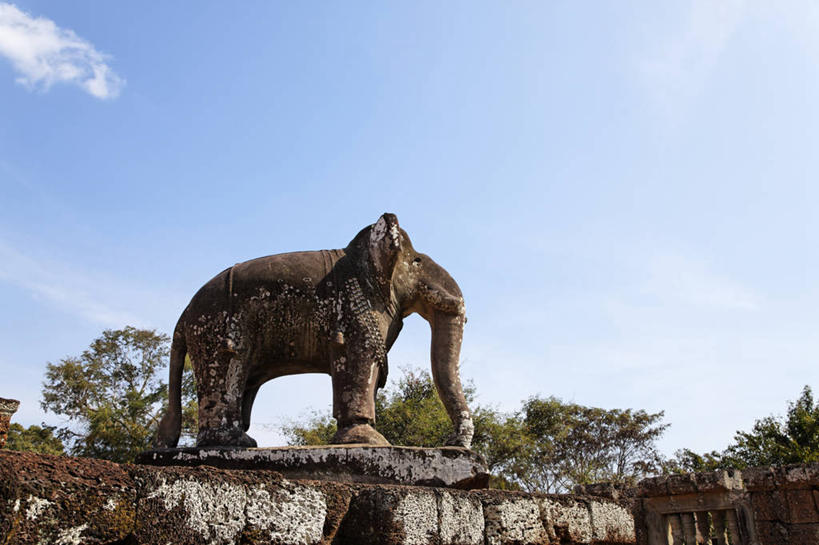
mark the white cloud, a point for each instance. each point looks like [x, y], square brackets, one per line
[78, 294]
[44, 54]
[687, 281]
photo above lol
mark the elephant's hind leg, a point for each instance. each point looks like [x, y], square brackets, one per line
[221, 400]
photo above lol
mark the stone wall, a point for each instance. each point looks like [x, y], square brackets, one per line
[758, 506]
[67, 501]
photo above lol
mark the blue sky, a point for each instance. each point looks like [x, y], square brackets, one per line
[626, 192]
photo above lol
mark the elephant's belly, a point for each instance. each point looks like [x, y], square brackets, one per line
[288, 325]
[265, 370]
[300, 345]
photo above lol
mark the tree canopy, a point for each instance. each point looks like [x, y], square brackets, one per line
[112, 395]
[773, 440]
[548, 446]
[35, 439]
[569, 444]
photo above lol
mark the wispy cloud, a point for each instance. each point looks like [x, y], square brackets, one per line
[691, 282]
[78, 294]
[44, 54]
[679, 67]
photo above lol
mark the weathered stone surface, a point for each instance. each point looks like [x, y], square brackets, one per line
[205, 505]
[444, 467]
[691, 483]
[610, 522]
[330, 311]
[52, 499]
[764, 506]
[7, 408]
[511, 520]
[61, 500]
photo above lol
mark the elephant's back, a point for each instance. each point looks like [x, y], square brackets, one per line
[289, 270]
[302, 272]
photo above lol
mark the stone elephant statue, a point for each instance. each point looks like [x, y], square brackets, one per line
[329, 311]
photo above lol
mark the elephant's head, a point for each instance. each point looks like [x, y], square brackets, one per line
[415, 283]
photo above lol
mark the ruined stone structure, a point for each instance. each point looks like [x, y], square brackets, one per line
[331, 311]
[69, 501]
[758, 506]
[449, 467]
[7, 408]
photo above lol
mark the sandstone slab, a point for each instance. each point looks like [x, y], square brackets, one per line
[71, 501]
[448, 467]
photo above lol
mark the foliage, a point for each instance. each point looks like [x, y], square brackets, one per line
[409, 414]
[792, 439]
[317, 430]
[39, 439]
[566, 444]
[550, 446]
[112, 395]
[688, 461]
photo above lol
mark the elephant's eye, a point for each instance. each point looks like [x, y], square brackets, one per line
[416, 261]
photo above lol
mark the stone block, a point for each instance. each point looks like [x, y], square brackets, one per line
[653, 487]
[801, 506]
[67, 501]
[760, 478]
[461, 518]
[413, 516]
[199, 505]
[770, 505]
[611, 522]
[389, 515]
[803, 534]
[56, 499]
[567, 519]
[441, 467]
[514, 520]
[771, 533]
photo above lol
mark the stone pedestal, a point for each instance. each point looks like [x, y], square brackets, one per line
[65, 500]
[7, 408]
[450, 467]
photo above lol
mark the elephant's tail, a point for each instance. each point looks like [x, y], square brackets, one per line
[171, 424]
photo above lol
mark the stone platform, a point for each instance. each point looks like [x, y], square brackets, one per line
[447, 467]
[61, 500]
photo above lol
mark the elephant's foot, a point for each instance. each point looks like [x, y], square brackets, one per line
[463, 436]
[359, 433]
[224, 437]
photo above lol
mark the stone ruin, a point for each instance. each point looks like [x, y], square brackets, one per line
[64, 500]
[339, 494]
[385, 497]
[339, 311]
[68, 501]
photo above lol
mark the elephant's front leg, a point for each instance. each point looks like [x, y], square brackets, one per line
[355, 379]
[220, 402]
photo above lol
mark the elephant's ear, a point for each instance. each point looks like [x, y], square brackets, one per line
[384, 247]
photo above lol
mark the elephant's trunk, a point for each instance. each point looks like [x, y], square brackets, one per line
[447, 334]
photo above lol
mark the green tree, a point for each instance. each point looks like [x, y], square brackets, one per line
[689, 461]
[35, 439]
[411, 414]
[773, 440]
[565, 444]
[112, 394]
[318, 429]
[549, 446]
